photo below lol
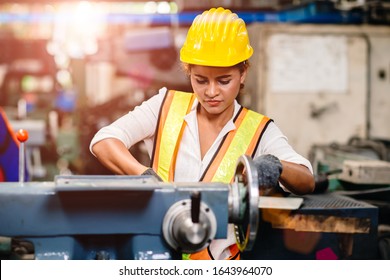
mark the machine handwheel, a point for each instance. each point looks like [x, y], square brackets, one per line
[246, 180]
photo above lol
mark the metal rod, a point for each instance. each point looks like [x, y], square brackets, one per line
[21, 162]
[22, 136]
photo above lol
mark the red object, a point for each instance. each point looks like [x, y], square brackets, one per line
[2, 176]
[326, 254]
[22, 135]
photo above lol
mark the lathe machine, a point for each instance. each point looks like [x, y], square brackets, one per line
[124, 217]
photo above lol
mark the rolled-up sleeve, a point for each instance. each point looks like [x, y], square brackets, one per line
[276, 143]
[137, 125]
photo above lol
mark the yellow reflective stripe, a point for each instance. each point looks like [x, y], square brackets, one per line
[171, 132]
[238, 146]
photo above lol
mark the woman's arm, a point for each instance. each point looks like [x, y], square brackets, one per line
[296, 178]
[113, 154]
[111, 143]
[292, 177]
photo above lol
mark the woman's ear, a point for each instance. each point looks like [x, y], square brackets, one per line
[243, 76]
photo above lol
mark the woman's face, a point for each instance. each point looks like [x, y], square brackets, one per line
[216, 87]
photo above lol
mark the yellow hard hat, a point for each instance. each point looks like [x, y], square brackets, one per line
[217, 37]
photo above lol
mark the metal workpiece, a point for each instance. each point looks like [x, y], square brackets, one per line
[184, 234]
[190, 224]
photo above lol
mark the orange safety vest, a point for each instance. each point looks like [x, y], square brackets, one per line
[243, 140]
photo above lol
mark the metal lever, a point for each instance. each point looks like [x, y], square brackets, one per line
[22, 136]
[195, 206]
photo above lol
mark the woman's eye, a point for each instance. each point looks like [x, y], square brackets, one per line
[224, 82]
[202, 82]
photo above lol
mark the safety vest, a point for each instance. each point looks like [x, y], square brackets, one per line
[243, 140]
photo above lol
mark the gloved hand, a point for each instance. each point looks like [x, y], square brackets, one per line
[151, 172]
[269, 169]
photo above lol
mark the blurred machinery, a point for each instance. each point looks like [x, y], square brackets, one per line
[358, 169]
[28, 94]
[29, 73]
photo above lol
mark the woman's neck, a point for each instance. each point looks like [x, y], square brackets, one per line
[215, 120]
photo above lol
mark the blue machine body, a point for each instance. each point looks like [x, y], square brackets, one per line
[100, 217]
[122, 217]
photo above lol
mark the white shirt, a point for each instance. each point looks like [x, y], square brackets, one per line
[140, 125]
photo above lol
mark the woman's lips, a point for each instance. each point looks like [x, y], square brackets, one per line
[213, 103]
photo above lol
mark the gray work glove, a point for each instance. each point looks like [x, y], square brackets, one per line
[151, 172]
[269, 169]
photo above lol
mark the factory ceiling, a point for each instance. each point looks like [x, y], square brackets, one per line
[309, 11]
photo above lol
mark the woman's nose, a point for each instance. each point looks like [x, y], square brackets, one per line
[212, 90]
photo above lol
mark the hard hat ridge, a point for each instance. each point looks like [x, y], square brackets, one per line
[217, 37]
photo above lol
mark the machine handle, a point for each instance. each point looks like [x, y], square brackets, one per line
[22, 136]
[195, 206]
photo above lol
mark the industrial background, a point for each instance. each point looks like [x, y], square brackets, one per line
[320, 69]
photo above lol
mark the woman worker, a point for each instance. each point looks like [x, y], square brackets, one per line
[199, 136]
